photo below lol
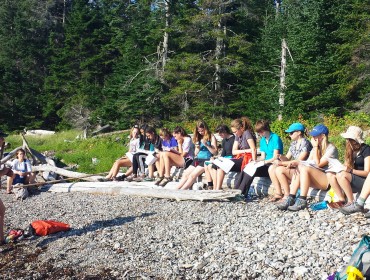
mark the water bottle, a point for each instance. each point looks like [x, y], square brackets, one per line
[319, 205]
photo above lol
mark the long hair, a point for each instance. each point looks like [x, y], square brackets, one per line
[179, 129]
[132, 131]
[324, 145]
[352, 147]
[207, 133]
[165, 133]
[21, 150]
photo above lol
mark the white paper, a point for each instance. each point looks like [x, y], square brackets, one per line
[150, 159]
[224, 163]
[335, 166]
[252, 166]
[310, 163]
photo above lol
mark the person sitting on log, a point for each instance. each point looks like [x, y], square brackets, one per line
[169, 144]
[284, 168]
[125, 161]
[151, 143]
[244, 148]
[181, 158]
[271, 147]
[311, 173]
[205, 147]
[356, 169]
[227, 144]
[22, 171]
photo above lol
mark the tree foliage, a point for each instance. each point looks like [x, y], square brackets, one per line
[78, 63]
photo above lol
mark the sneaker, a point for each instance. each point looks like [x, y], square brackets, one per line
[351, 208]
[165, 181]
[299, 204]
[158, 181]
[367, 215]
[103, 179]
[285, 203]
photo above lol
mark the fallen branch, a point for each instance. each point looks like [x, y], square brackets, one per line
[66, 173]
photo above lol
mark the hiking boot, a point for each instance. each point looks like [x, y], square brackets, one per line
[351, 208]
[285, 203]
[299, 204]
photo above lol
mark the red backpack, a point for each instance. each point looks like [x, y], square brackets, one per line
[45, 227]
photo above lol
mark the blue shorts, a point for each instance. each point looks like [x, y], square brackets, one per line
[18, 180]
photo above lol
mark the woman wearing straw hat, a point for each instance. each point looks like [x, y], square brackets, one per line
[357, 167]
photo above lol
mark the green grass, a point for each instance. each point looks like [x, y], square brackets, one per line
[71, 150]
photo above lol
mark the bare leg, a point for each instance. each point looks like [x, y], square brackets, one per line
[365, 192]
[312, 177]
[332, 179]
[193, 177]
[171, 159]
[2, 214]
[125, 162]
[284, 176]
[275, 181]
[220, 178]
[185, 176]
[207, 172]
[9, 183]
[344, 180]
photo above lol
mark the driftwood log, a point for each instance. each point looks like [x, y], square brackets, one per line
[66, 173]
[143, 190]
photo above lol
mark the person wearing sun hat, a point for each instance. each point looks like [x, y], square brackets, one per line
[311, 173]
[284, 168]
[356, 169]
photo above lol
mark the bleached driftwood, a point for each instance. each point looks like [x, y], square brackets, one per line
[66, 173]
[39, 132]
[128, 188]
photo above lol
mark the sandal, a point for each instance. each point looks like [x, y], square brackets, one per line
[165, 181]
[276, 197]
[158, 181]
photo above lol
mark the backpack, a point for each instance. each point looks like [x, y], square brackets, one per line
[359, 264]
[46, 227]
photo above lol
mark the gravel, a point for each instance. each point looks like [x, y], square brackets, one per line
[122, 237]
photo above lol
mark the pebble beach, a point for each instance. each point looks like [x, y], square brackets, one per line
[126, 237]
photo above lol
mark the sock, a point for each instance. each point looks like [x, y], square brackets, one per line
[303, 197]
[210, 184]
[360, 201]
[292, 195]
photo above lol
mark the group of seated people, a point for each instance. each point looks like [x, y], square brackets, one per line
[308, 162]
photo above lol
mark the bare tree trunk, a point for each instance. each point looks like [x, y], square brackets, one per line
[218, 53]
[282, 79]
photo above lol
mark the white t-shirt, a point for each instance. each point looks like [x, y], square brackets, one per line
[188, 147]
[24, 166]
[134, 145]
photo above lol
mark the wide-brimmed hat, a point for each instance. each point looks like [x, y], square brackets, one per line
[2, 134]
[355, 133]
[318, 130]
[295, 127]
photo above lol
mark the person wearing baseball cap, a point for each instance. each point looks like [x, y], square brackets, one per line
[312, 172]
[283, 169]
[356, 169]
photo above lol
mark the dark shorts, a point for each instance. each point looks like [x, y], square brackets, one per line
[187, 162]
[18, 180]
[357, 183]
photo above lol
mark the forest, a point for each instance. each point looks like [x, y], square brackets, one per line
[79, 63]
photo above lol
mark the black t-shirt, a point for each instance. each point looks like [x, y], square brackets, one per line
[359, 163]
[227, 146]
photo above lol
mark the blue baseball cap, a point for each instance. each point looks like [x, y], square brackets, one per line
[295, 127]
[319, 129]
